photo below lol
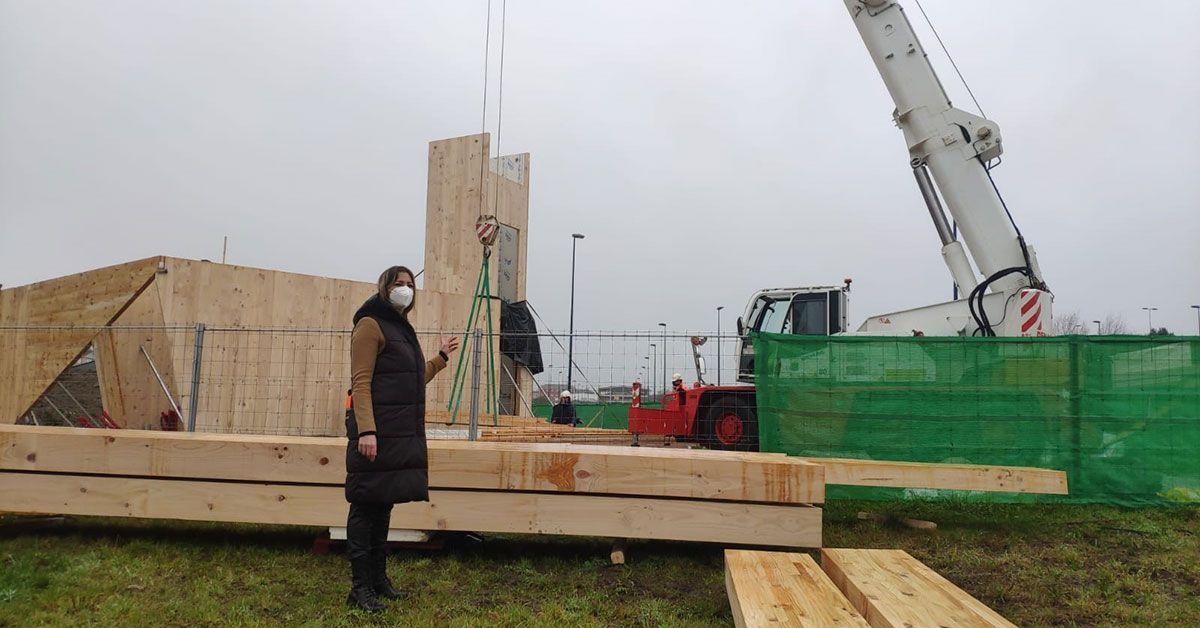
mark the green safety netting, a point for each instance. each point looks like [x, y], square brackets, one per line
[1119, 414]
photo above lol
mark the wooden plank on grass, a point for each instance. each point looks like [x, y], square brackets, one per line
[477, 511]
[557, 467]
[783, 589]
[892, 589]
[960, 477]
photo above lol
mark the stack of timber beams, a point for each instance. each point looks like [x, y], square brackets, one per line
[535, 488]
[851, 587]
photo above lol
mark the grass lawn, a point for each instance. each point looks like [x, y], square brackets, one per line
[1036, 565]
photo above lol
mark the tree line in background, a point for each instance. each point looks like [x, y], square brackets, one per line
[1112, 325]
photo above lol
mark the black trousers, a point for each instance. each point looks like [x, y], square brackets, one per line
[367, 529]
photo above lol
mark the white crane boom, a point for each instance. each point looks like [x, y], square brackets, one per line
[956, 147]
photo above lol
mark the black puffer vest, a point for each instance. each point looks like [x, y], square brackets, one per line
[400, 472]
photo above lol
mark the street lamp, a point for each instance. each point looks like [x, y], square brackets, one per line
[664, 326]
[1150, 316]
[653, 367]
[1197, 308]
[719, 308]
[1097, 327]
[575, 238]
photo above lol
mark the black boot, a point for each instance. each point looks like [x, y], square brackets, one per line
[362, 595]
[379, 578]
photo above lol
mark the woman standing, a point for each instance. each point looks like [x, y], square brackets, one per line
[386, 459]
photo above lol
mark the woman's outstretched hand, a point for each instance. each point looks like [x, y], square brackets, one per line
[449, 344]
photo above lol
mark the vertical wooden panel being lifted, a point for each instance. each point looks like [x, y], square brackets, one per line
[465, 183]
[30, 361]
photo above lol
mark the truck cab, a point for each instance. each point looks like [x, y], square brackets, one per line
[811, 311]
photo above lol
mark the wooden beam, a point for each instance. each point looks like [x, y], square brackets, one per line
[959, 477]
[477, 511]
[892, 589]
[555, 467]
[617, 555]
[783, 589]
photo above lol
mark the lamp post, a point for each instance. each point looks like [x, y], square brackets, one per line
[1097, 327]
[1197, 308]
[664, 382]
[575, 238]
[653, 366]
[644, 374]
[1150, 316]
[719, 308]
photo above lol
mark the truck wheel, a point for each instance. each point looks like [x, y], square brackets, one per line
[731, 423]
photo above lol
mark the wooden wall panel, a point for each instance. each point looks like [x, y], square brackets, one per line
[458, 169]
[31, 361]
[130, 391]
[453, 202]
[453, 254]
[292, 379]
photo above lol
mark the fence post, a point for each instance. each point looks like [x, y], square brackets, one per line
[473, 425]
[197, 360]
[1075, 407]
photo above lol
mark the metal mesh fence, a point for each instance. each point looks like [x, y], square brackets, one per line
[291, 381]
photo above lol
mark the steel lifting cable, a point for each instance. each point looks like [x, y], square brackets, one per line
[950, 57]
[483, 156]
[500, 110]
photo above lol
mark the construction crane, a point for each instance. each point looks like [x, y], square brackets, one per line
[951, 154]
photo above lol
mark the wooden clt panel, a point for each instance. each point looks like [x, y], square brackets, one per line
[478, 511]
[132, 395]
[551, 467]
[783, 589]
[30, 361]
[959, 477]
[892, 589]
[460, 189]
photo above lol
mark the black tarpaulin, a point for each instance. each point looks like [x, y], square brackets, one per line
[518, 336]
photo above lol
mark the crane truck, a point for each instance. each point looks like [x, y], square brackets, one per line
[951, 154]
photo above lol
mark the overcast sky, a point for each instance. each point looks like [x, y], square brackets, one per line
[706, 149]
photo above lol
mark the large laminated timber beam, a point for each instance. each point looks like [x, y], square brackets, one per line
[550, 467]
[894, 590]
[933, 475]
[783, 589]
[477, 511]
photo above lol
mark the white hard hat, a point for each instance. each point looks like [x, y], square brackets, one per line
[566, 394]
[676, 377]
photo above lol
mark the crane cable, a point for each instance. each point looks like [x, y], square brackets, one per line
[485, 156]
[980, 316]
[951, 58]
[499, 108]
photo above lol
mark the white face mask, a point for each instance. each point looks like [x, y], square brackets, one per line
[401, 296]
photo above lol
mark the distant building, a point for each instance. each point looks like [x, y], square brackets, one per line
[622, 393]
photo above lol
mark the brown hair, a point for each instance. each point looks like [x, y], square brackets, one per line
[387, 278]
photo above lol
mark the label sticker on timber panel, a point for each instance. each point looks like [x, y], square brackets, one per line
[508, 245]
[511, 167]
